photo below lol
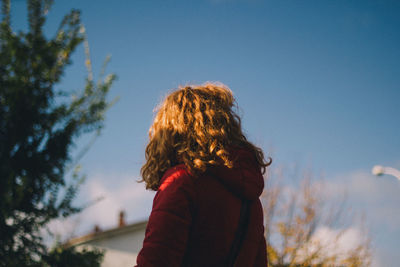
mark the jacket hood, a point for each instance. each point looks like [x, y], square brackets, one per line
[244, 178]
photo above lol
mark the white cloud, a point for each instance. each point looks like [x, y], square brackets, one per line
[377, 197]
[119, 194]
[337, 242]
[375, 203]
[115, 192]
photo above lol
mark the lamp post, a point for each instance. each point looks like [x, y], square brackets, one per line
[380, 170]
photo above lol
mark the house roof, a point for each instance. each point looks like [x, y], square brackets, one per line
[121, 230]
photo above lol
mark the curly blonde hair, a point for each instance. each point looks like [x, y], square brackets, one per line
[195, 125]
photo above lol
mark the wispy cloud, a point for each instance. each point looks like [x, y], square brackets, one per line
[337, 243]
[119, 194]
[378, 199]
[114, 192]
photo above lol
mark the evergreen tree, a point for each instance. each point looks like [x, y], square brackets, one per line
[39, 125]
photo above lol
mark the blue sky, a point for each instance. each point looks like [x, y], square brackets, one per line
[317, 83]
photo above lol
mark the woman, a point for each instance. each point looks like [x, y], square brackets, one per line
[204, 171]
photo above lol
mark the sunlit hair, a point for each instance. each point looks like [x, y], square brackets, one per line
[195, 125]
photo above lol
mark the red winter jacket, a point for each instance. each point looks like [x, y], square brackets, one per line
[194, 220]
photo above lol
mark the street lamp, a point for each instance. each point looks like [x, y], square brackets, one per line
[380, 170]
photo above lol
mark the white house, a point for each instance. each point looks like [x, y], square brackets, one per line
[121, 244]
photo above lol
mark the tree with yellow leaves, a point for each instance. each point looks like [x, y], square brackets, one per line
[302, 229]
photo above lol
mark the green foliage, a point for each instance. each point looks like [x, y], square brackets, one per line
[65, 257]
[39, 125]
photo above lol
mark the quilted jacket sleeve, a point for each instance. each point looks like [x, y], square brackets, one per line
[169, 223]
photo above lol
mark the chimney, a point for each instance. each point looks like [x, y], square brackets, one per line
[121, 219]
[97, 229]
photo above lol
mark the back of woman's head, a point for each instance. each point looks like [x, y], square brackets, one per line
[197, 126]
